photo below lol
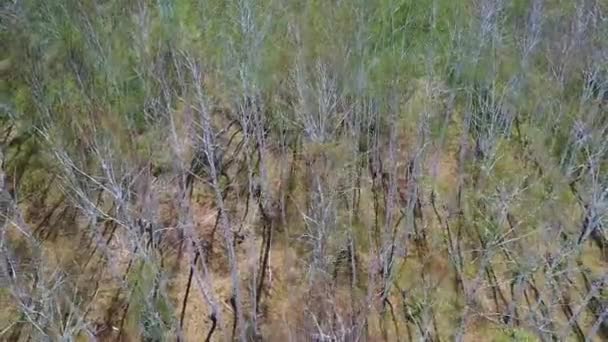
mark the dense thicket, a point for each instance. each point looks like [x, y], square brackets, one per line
[304, 170]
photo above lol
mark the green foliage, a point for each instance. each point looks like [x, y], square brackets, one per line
[519, 335]
[484, 99]
[148, 306]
